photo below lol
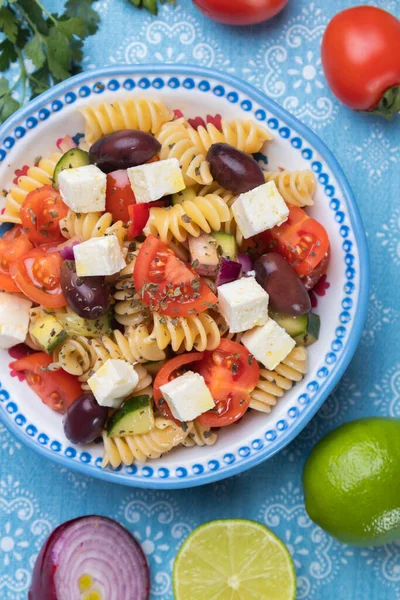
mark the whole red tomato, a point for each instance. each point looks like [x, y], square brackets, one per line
[361, 59]
[240, 12]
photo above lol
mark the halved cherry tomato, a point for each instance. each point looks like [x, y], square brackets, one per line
[119, 195]
[13, 245]
[167, 284]
[37, 275]
[255, 246]
[172, 369]
[57, 389]
[311, 279]
[41, 212]
[302, 240]
[139, 215]
[230, 372]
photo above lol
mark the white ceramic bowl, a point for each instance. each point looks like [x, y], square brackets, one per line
[33, 131]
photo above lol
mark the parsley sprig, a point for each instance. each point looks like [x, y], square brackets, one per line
[151, 5]
[52, 42]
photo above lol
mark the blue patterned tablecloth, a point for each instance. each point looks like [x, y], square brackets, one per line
[281, 58]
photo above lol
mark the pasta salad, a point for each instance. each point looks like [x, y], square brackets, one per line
[158, 278]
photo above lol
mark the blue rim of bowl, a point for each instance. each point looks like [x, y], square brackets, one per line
[360, 309]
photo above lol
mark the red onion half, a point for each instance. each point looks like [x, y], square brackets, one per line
[90, 554]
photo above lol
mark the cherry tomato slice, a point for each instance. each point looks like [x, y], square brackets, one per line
[41, 212]
[230, 372]
[119, 195]
[172, 369]
[37, 275]
[57, 389]
[302, 240]
[13, 245]
[167, 284]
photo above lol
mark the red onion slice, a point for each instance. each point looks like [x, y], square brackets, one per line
[65, 249]
[229, 271]
[87, 555]
[246, 262]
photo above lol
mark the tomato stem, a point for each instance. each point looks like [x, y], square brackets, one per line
[389, 104]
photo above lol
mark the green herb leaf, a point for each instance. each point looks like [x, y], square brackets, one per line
[8, 104]
[34, 51]
[34, 14]
[73, 26]
[7, 54]
[40, 81]
[9, 24]
[59, 56]
[84, 10]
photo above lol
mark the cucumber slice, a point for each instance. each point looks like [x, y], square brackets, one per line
[292, 325]
[187, 194]
[312, 334]
[76, 325]
[70, 160]
[48, 333]
[304, 329]
[133, 418]
[227, 246]
[154, 366]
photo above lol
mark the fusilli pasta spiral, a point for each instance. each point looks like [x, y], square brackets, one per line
[176, 143]
[126, 450]
[203, 213]
[199, 332]
[247, 136]
[273, 384]
[85, 226]
[129, 309]
[200, 436]
[36, 176]
[297, 188]
[82, 356]
[135, 113]
[228, 226]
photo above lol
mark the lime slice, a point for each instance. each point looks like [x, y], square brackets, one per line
[233, 560]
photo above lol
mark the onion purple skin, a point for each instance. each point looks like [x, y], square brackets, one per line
[230, 270]
[67, 251]
[246, 262]
[44, 585]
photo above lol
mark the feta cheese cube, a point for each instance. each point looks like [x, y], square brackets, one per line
[269, 344]
[259, 209]
[187, 396]
[115, 380]
[14, 319]
[83, 189]
[152, 181]
[99, 256]
[243, 304]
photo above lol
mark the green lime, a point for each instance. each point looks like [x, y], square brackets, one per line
[352, 482]
[233, 560]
